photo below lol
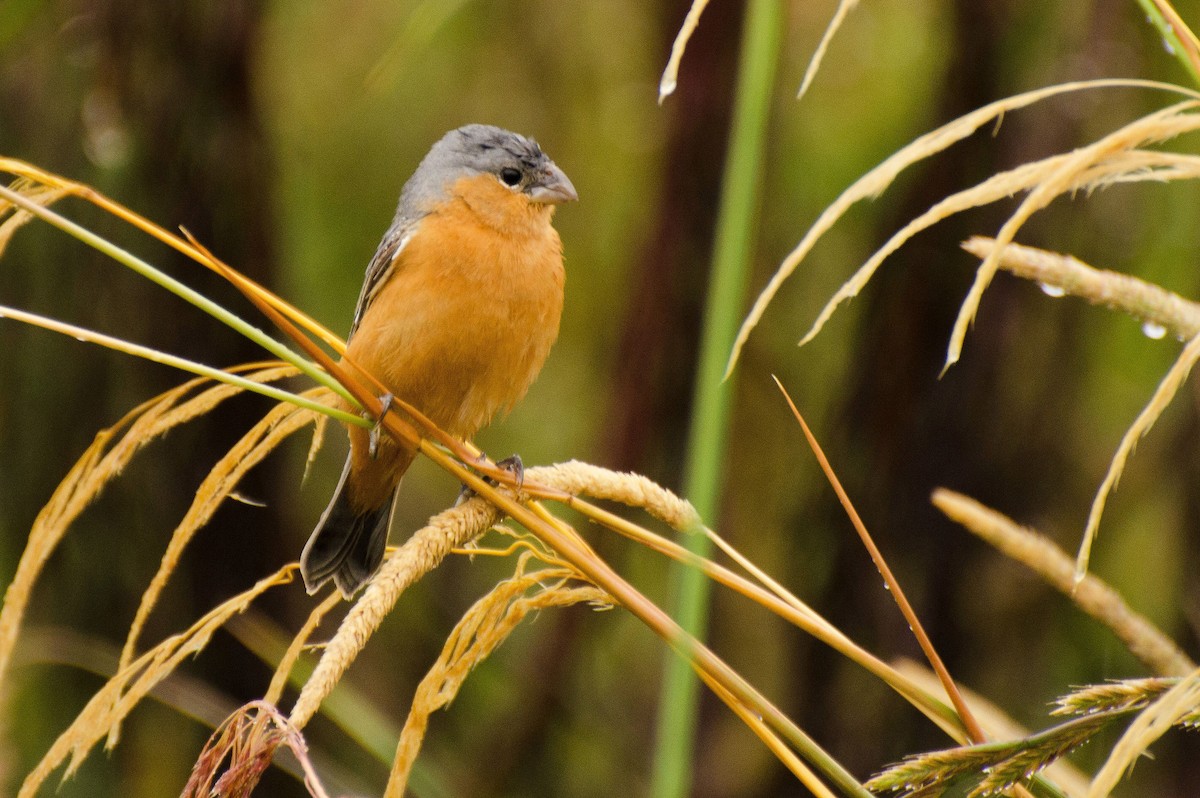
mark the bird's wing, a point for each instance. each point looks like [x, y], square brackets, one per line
[380, 267]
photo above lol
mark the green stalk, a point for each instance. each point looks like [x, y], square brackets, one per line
[710, 416]
[202, 302]
[1171, 40]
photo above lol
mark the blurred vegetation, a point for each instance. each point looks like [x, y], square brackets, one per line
[280, 134]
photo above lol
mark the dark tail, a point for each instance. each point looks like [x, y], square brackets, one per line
[345, 547]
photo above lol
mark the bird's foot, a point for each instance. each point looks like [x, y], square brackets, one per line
[512, 465]
[385, 404]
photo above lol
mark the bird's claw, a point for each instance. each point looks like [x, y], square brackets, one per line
[512, 465]
[385, 404]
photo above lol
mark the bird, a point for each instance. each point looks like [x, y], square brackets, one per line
[458, 310]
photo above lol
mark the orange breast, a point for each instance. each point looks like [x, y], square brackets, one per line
[465, 321]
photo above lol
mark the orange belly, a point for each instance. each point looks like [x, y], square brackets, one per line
[461, 327]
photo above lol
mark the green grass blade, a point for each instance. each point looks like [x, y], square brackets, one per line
[709, 425]
[192, 296]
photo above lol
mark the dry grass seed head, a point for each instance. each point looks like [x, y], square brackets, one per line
[453, 529]
[248, 739]
[878, 179]
[88, 477]
[1173, 707]
[278, 424]
[583, 479]
[1092, 595]
[478, 633]
[417, 556]
[120, 694]
[1159, 126]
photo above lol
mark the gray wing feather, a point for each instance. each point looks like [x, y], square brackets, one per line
[379, 269]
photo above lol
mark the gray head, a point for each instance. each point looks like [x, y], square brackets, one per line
[517, 162]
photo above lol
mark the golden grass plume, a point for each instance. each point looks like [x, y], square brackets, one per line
[477, 634]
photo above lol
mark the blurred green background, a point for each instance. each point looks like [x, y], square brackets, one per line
[280, 134]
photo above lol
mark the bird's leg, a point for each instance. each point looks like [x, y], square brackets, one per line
[385, 404]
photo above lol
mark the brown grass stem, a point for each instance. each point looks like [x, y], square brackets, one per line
[893, 585]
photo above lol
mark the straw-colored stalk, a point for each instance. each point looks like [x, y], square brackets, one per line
[1091, 594]
[104, 459]
[278, 424]
[1059, 174]
[120, 694]
[1154, 305]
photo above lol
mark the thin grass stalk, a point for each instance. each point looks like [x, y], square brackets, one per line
[1177, 37]
[670, 75]
[190, 295]
[890, 581]
[183, 364]
[61, 185]
[710, 416]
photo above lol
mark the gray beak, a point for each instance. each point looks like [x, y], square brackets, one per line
[552, 187]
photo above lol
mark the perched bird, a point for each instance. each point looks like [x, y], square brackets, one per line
[457, 313]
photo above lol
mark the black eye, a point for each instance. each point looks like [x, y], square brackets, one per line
[510, 176]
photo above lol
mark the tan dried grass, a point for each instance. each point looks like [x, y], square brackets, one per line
[1058, 176]
[1179, 702]
[453, 529]
[113, 702]
[1091, 594]
[102, 462]
[477, 634]
[279, 423]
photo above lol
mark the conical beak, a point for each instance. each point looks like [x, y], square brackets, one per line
[553, 187]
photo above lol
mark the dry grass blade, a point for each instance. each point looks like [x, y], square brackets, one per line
[1173, 707]
[772, 596]
[879, 178]
[1093, 596]
[1146, 301]
[112, 702]
[893, 585]
[839, 16]
[670, 76]
[1124, 167]
[480, 631]
[98, 465]
[248, 739]
[418, 555]
[34, 192]
[1159, 126]
[277, 425]
[1162, 397]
